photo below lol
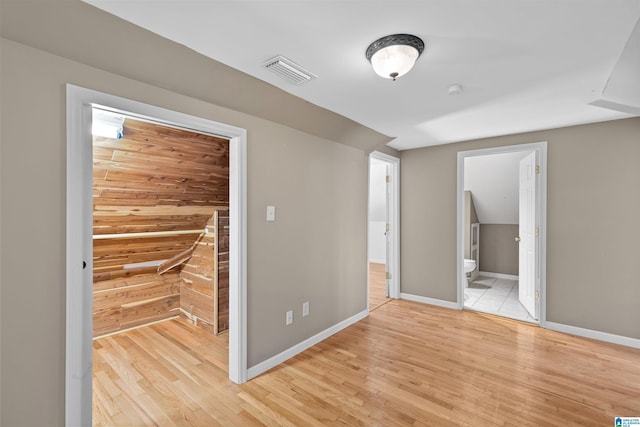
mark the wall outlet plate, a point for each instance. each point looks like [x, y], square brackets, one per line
[305, 309]
[289, 317]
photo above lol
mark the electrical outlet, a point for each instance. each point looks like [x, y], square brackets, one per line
[305, 309]
[289, 317]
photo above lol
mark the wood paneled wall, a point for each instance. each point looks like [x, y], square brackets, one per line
[155, 165]
[204, 292]
[126, 302]
[154, 179]
[222, 269]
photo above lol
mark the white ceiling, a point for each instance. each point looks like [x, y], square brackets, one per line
[524, 65]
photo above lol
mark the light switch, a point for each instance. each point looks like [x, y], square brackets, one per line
[305, 309]
[271, 213]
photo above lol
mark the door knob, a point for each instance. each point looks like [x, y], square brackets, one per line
[518, 239]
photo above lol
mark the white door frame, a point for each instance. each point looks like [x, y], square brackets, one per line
[393, 261]
[79, 244]
[541, 218]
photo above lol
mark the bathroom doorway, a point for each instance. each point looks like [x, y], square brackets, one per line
[383, 230]
[502, 198]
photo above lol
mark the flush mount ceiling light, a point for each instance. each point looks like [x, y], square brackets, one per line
[393, 56]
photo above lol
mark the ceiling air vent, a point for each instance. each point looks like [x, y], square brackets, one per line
[289, 70]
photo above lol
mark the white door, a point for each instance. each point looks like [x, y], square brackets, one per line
[388, 230]
[527, 231]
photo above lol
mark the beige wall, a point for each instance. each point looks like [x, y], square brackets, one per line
[318, 186]
[592, 233]
[289, 261]
[316, 250]
[428, 222]
[499, 249]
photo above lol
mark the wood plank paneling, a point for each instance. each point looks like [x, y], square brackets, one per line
[126, 302]
[197, 288]
[406, 364]
[114, 254]
[152, 310]
[135, 219]
[221, 258]
[205, 278]
[155, 179]
[110, 275]
[196, 304]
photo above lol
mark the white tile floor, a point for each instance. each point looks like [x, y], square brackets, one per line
[496, 296]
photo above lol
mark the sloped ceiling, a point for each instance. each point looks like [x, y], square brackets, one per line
[494, 184]
[154, 179]
[622, 91]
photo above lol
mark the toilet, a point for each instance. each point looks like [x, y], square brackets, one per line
[469, 267]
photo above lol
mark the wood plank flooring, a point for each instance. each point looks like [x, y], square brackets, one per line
[377, 286]
[406, 364]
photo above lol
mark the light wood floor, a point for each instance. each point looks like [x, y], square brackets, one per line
[406, 364]
[377, 286]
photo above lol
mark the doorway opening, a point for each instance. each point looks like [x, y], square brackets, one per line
[160, 264]
[145, 221]
[383, 230]
[160, 225]
[501, 231]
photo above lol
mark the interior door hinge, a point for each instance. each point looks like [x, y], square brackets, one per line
[388, 178]
[537, 294]
[537, 231]
[537, 169]
[387, 228]
[388, 275]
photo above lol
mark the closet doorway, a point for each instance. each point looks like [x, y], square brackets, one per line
[160, 265]
[148, 237]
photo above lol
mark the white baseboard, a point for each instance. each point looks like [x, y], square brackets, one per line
[262, 367]
[499, 275]
[432, 301]
[596, 335]
[378, 261]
